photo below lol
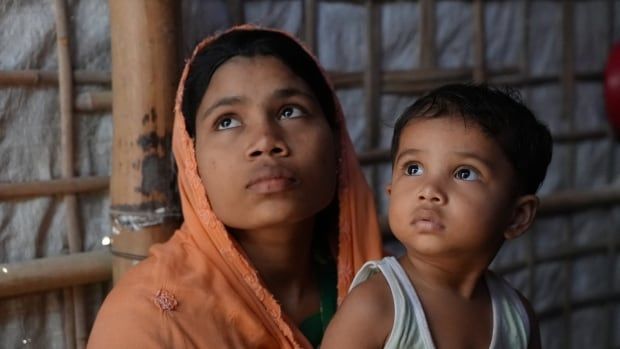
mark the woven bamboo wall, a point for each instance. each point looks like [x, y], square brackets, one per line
[524, 264]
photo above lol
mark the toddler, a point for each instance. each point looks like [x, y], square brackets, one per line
[467, 161]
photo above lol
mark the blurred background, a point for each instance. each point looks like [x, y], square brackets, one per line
[84, 191]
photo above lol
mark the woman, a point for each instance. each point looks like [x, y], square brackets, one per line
[278, 217]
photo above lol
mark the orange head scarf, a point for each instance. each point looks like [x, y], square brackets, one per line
[199, 289]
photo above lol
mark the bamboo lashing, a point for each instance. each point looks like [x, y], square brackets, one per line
[50, 78]
[50, 273]
[144, 35]
[75, 185]
[74, 297]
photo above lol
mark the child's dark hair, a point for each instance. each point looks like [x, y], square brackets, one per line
[501, 115]
[250, 43]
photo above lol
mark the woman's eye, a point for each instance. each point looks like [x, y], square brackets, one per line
[414, 170]
[467, 174]
[290, 113]
[226, 123]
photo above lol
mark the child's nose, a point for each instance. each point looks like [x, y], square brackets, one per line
[432, 192]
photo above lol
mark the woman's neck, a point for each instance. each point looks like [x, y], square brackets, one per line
[283, 257]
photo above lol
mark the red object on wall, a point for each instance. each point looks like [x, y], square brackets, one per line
[612, 88]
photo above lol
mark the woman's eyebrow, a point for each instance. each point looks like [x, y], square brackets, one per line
[226, 101]
[291, 92]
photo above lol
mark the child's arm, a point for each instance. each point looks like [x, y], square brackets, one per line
[534, 330]
[364, 320]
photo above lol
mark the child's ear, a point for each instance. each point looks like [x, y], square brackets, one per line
[522, 217]
[388, 189]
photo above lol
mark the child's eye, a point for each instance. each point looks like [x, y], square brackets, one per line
[226, 123]
[466, 174]
[290, 113]
[414, 170]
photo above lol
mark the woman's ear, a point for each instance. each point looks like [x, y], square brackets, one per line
[522, 216]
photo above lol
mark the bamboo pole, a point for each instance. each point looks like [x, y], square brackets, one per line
[144, 35]
[73, 298]
[50, 273]
[64, 186]
[44, 77]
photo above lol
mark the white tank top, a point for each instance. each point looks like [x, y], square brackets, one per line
[511, 327]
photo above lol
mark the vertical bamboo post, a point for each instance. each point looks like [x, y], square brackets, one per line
[75, 318]
[531, 259]
[144, 36]
[237, 11]
[428, 53]
[479, 42]
[568, 87]
[310, 10]
[612, 250]
[372, 80]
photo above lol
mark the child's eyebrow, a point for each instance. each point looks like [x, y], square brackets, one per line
[475, 156]
[409, 151]
[226, 101]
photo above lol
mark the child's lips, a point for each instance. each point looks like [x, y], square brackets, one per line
[428, 221]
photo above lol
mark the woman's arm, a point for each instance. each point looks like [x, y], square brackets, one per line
[364, 320]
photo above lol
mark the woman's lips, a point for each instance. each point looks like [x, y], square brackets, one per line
[272, 179]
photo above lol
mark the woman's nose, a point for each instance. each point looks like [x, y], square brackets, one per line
[267, 140]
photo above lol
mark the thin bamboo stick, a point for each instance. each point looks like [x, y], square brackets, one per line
[612, 248]
[45, 77]
[374, 156]
[479, 42]
[45, 274]
[65, 82]
[568, 95]
[310, 24]
[372, 81]
[428, 55]
[554, 311]
[237, 11]
[422, 80]
[53, 187]
[93, 101]
[558, 255]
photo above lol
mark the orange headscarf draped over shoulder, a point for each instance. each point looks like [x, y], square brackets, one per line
[199, 290]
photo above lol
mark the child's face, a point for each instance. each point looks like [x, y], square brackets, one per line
[265, 152]
[452, 190]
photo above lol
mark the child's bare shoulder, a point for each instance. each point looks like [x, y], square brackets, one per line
[364, 320]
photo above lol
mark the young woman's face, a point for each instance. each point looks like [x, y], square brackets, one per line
[266, 154]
